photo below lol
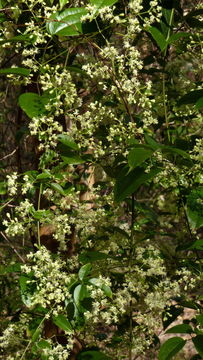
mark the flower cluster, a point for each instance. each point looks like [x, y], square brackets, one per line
[27, 184]
[12, 337]
[19, 224]
[62, 230]
[12, 184]
[58, 84]
[57, 351]
[104, 91]
[117, 77]
[50, 278]
[47, 129]
[13, 226]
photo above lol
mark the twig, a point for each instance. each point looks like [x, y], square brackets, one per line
[14, 249]
[7, 203]
[12, 153]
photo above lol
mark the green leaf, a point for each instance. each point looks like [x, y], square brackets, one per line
[116, 229]
[158, 37]
[195, 208]
[10, 268]
[44, 357]
[200, 319]
[107, 290]
[44, 175]
[194, 13]
[62, 3]
[67, 22]
[138, 155]
[194, 23]
[102, 3]
[178, 36]
[150, 141]
[33, 104]
[84, 271]
[21, 38]
[32, 174]
[196, 245]
[170, 149]
[190, 98]
[2, 19]
[3, 187]
[86, 303]
[80, 293]
[36, 334]
[57, 188]
[62, 322]
[93, 355]
[167, 13]
[100, 284]
[76, 69]
[16, 71]
[47, 158]
[40, 309]
[127, 183]
[68, 188]
[199, 103]
[190, 304]
[70, 308]
[170, 314]
[198, 342]
[170, 348]
[34, 328]
[181, 329]
[43, 344]
[91, 256]
[68, 141]
[27, 289]
[41, 214]
[74, 159]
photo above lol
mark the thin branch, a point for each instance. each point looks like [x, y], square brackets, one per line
[7, 203]
[9, 155]
[14, 249]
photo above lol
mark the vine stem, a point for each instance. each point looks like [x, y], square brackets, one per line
[165, 103]
[187, 222]
[38, 208]
[130, 264]
[30, 341]
[164, 77]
